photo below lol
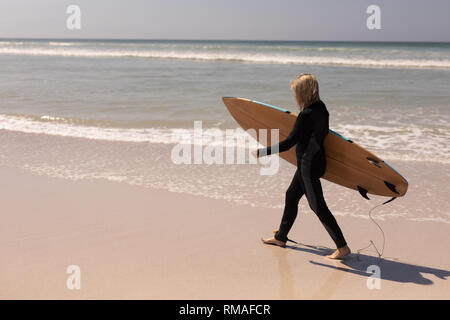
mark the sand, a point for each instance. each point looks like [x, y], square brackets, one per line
[133, 242]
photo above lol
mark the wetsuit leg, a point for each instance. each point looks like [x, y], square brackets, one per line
[293, 195]
[314, 194]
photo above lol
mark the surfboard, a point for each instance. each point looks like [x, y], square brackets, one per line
[348, 164]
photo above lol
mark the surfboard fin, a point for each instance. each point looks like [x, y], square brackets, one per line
[373, 161]
[391, 187]
[363, 192]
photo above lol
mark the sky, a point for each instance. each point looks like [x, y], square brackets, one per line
[324, 20]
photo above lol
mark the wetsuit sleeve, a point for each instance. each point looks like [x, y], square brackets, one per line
[300, 127]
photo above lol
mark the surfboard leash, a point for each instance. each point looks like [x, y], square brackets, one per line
[372, 244]
[287, 239]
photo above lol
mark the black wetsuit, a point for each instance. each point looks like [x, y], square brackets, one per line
[308, 134]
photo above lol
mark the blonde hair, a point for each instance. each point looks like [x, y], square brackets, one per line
[306, 90]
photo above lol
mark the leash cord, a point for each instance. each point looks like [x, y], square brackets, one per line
[372, 244]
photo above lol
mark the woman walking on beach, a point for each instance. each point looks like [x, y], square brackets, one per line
[308, 134]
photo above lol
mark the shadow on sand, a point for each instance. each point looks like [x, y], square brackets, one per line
[391, 268]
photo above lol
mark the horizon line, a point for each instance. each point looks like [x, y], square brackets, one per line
[225, 40]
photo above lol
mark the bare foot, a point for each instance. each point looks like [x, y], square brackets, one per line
[339, 253]
[274, 242]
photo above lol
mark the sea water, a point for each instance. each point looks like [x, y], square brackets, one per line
[109, 109]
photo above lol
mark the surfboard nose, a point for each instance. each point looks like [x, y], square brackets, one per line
[231, 103]
[228, 99]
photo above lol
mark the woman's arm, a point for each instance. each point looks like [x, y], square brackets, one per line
[301, 125]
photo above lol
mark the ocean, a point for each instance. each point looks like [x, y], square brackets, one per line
[109, 109]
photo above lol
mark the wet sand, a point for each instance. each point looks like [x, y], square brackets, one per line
[133, 242]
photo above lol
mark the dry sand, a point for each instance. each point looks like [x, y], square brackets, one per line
[133, 242]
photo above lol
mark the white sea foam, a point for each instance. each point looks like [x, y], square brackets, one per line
[62, 44]
[236, 56]
[62, 127]
[403, 143]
